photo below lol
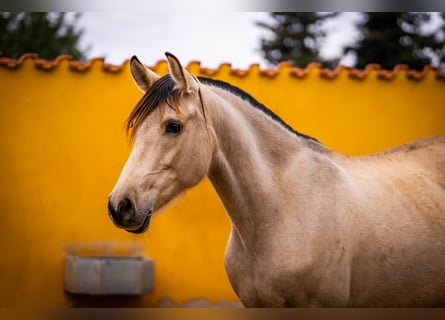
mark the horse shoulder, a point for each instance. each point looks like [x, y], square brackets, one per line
[310, 248]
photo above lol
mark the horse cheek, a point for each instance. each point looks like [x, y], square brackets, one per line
[194, 167]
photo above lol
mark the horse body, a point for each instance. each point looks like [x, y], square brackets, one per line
[310, 227]
[342, 230]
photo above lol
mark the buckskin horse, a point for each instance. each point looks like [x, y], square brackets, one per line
[310, 226]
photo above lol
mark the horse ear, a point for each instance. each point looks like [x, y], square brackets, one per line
[143, 76]
[184, 80]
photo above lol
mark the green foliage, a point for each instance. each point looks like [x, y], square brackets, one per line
[296, 37]
[48, 34]
[387, 38]
[390, 38]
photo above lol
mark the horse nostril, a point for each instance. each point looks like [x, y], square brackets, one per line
[124, 211]
[124, 207]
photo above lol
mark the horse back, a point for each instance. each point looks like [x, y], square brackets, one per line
[426, 154]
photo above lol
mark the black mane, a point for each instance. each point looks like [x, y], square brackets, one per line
[247, 97]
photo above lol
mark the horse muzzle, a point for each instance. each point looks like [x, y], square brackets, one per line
[125, 215]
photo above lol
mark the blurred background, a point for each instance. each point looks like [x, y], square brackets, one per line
[241, 38]
[62, 145]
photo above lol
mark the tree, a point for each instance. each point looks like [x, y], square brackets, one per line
[387, 38]
[295, 37]
[390, 38]
[48, 34]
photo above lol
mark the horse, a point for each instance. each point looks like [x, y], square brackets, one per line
[310, 227]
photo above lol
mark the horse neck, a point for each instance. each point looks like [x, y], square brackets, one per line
[250, 162]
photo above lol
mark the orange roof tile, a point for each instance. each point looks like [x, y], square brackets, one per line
[358, 74]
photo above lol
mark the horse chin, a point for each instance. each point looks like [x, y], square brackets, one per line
[144, 226]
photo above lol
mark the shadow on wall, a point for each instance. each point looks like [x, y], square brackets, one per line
[89, 301]
[125, 301]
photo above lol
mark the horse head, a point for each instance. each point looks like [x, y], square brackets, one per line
[172, 145]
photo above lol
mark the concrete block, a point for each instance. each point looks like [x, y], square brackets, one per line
[113, 273]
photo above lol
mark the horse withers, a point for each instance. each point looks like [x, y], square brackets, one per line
[310, 226]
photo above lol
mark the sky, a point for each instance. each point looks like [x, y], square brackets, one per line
[211, 38]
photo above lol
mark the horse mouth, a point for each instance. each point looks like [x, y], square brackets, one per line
[144, 225]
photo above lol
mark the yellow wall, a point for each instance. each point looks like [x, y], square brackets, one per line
[62, 149]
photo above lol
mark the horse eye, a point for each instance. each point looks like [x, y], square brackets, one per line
[173, 127]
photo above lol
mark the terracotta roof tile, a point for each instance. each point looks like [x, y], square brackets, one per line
[362, 74]
[284, 67]
[13, 64]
